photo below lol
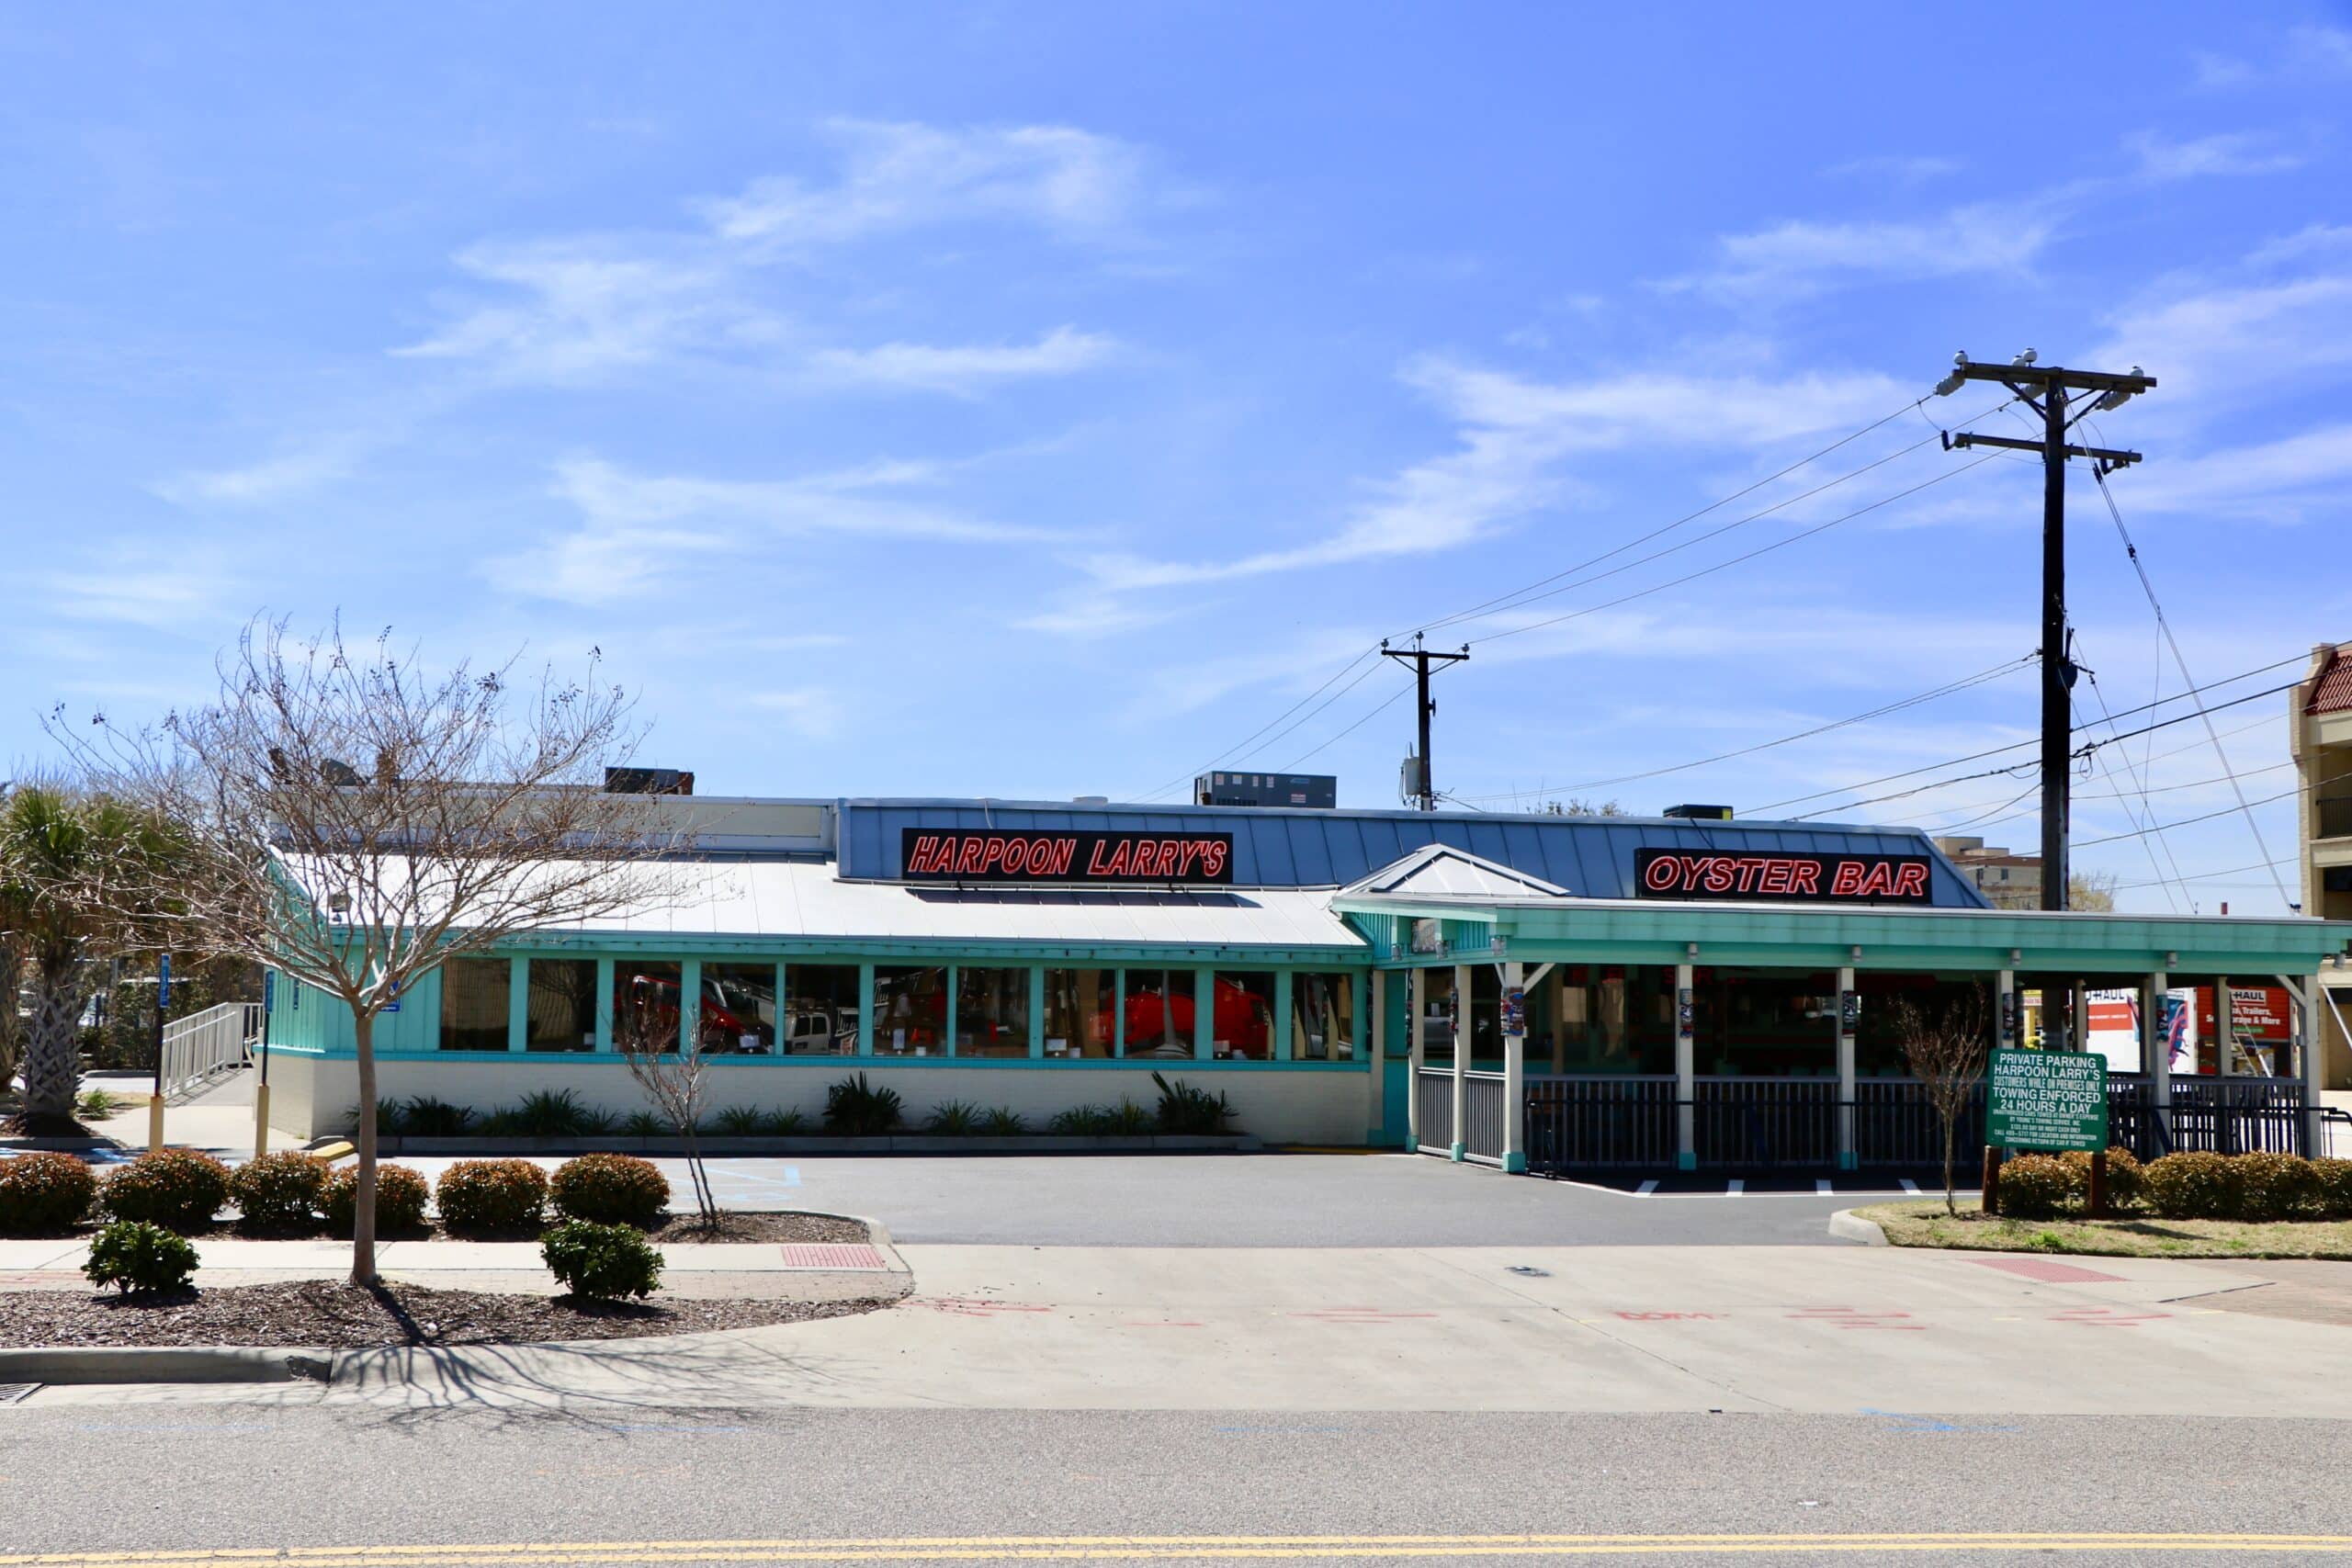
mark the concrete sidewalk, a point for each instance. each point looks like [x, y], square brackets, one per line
[1591, 1329]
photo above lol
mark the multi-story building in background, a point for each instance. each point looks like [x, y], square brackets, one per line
[2009, 881]
[2319, 733]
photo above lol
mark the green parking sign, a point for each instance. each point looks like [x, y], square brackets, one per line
[2046, 1099]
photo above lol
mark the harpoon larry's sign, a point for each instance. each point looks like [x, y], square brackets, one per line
[1073, 857]
[1749, 877]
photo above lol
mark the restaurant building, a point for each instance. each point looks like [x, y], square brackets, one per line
[1546, 990]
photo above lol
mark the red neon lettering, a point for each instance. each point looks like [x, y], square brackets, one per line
[919, 857]
[1163, 858]
[1805, 877]
[1848, 879]
[1776, 877]
[1719, 873]
[1911, 882]
[967, 857]
[1660, 875]
[1094, 866]
[1213, 861]
[1065, 851]
[1118, 867]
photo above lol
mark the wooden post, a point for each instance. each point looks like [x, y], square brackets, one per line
[2095, 1201]
[1992, 1202]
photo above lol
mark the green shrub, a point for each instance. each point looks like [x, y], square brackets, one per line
[610, 1189]
[2274, 1187]
[546, 1113]
[488, 1197]
[741, 1122]
[955, 1119]
[1124, 1120]
[1003, 1123]
[276, 1194]
[644, 1124]
[134, 1256]
[855, 1108]
[2122, 1175]
[97, 1105]
[784, 1123]
[600, 1262]
[426, 1117]
[179, 1190]
[2035, 1187]
[400, 1198]
[2194, 1185]
[1187, 1109]
[44, 1193]
[2334, 1177]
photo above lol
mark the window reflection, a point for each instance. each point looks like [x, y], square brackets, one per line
[1159, 1004]
[1322, 1017]
[561, 1005]
[1079, 1018]
[645, 1005]
[738, 1009]
[991, 1012]
[909, 1011]
[821, 1010]
[1244, 1017]
[473, 1003]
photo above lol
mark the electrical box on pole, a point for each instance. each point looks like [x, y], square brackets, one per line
[1422, 659]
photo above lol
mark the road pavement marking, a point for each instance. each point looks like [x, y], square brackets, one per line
[1027, 1549]
[1821, 1185]
[1734, 1188]
[1910, 1186]
[1645, 1189]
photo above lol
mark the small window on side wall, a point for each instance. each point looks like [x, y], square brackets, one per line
[473, 1003]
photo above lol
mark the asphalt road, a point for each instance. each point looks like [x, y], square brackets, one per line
[209, 1477]
[1268, 1200]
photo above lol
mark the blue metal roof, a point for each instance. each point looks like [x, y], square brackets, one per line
[1276, 847]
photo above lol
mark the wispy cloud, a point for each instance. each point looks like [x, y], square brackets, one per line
[271, 479]
[1514, 435]
[2233, 152]
[812, 711]
[1802, 255]
[637, 530]
[1900, 168]
[2278, 480]
[158, 589]
[897, 176]
[965, 368]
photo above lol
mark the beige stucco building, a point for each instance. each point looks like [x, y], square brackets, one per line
[2320, 732]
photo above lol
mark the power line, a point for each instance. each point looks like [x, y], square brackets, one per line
[1949, 687]
[1381, 707]
[1369, 654]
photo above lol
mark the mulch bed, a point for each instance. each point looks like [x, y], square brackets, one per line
[734, 1224]
[341, 1316]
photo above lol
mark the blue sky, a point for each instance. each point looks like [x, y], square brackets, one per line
[1039, 401]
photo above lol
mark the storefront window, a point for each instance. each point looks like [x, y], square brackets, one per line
[911, 1011]
[1437, 1017]
[645, 1005]
[1159, 1004]
[473, 1003]
[991, 1012]
[738, 1009]
[1245, 1015]
[1765, 1022]
[1079, 1017]
[1322, 1018]
[561, 1005]
[821, 1010]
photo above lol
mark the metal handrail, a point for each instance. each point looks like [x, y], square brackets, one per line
[203, 1045]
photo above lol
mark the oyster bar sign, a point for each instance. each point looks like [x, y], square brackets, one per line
[1780, 878]
[1079, 857]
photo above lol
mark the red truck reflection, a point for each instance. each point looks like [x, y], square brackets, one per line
[650, 1011]
[1245, 1022]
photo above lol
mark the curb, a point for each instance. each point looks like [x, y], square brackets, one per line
[133, 1364]
[1848, 1225]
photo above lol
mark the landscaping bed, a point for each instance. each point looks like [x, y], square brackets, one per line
[1924, 1224]
[734, 1224]
[340, 1317]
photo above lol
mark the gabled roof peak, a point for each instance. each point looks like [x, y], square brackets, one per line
[1442, 871]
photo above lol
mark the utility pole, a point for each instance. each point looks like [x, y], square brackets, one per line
[2050, 391]
[1422, 659]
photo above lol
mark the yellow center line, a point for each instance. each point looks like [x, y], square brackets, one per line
[1169, 1548]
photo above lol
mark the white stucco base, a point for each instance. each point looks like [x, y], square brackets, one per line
[311, 1096]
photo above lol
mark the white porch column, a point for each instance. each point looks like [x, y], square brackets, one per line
[1463, 1027]
[1514, 1073]
[1686, 1076]
[1417, 1002]
[2004, 1010]
[2155, 1054]
[2303, 997]
[1375, 1031]
[2225, 1034]
[1844, 1073]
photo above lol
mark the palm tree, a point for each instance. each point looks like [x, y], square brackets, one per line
[64, 855]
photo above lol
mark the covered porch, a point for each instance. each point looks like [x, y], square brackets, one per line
[1550, 1034]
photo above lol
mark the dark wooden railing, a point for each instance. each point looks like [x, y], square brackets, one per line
[1599, 1123]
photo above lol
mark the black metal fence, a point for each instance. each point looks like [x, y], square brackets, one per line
[1598, 1123]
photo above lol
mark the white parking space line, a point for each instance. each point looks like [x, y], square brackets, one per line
[1647, 1187]
[1821, 1184]
[1911, 1187]
[1734, 1188]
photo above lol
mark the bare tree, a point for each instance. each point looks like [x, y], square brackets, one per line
[356, 819]
[1946, 1048]
[646, 1029]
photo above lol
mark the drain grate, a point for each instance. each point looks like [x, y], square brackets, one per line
[12, 1393]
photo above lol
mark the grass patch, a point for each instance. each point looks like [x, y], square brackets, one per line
[2137, 1236]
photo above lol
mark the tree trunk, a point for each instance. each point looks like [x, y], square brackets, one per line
[12, 1024]
[53, 1053]
[696, 1175]
[1951, 1140]
[363, 1198]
